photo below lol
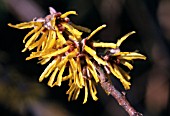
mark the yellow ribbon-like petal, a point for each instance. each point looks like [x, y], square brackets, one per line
[62, 62]
[123, 38]
[92, 69]
[65, 60]
[76, 93]
[61, 38]
[92, 92]
[93, 54]
[81, 28]
[117, 74]
[33, 38]
[43, 42]
[68, 13]
[125, 83]
[86, 93]
[52, 77]
[94, 89]
[73, 54]
[130, 55]
[73, 64]
[95, 31]
[77, 34]
[126, 63]
[74, 70]
[51, 39]
[67, 77]
[43, 60]
[80, 71]
[125, 74]
[71, 77]
[59, 78]
[56, 52]
[38, 43]
[104, 45]
[70, 91]
[52, 64]
[25, 25]
[30, 33]
[34, 55]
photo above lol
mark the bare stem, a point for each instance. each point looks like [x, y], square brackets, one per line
[120, 97]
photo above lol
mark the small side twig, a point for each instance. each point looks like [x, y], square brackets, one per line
[120, 97]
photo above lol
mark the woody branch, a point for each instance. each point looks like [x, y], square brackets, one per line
[120, 97]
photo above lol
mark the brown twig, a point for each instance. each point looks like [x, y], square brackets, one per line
[120, 97]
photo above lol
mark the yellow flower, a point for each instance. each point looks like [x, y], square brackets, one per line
[45, 30]
[111, 61]
[72, 57]
[114, 57]
[82, 73]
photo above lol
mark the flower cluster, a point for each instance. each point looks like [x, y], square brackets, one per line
[55, 40]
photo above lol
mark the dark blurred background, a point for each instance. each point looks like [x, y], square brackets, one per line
[22, 95]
